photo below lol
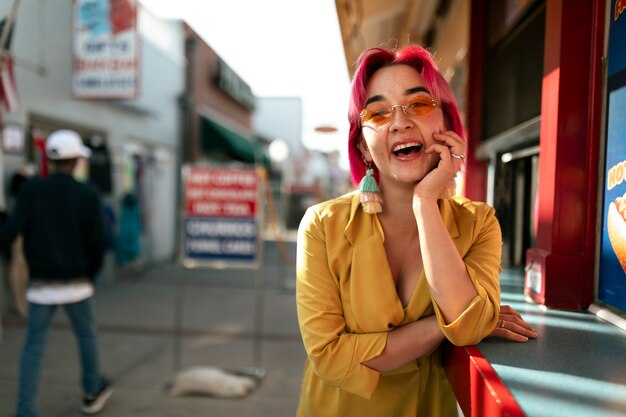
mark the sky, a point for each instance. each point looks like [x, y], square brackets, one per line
[280, 48]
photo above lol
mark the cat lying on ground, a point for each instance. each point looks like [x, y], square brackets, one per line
[211, 381]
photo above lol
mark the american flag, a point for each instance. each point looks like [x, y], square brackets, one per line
[9, 99]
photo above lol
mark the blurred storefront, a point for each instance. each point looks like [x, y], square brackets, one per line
[98, 68]
[530, 77]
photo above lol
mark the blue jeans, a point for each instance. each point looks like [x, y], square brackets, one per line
[39, 318]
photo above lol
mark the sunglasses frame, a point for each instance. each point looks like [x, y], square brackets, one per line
[406, 109]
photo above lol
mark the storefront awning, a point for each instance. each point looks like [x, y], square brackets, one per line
[223, 144]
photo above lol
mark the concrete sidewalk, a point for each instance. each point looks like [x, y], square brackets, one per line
[166, 319]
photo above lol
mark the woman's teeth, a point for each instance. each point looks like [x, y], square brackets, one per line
[406, 148]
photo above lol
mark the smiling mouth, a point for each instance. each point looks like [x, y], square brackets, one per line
[406, 149]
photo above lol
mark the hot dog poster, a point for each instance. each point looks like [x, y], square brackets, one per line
[612, 273]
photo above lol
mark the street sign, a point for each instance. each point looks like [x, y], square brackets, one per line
[106, 50]
[220, 216]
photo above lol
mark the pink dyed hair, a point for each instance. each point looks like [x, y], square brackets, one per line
[373, 59]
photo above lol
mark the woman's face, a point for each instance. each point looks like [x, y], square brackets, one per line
[396, 146]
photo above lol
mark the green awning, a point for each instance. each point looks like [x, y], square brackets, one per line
[223, 144]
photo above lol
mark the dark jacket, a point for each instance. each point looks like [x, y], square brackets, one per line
[63, 228]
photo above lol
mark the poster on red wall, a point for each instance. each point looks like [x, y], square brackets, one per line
[612, 271]
[220, 216]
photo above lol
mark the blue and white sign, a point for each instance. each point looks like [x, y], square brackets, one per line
[221, 223]
[221, 238]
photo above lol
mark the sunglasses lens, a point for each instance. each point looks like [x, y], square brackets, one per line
[421, 105]
[377, 115]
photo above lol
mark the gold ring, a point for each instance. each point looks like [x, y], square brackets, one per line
[460, 156]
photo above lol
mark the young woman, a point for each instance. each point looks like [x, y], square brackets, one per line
[388, 272]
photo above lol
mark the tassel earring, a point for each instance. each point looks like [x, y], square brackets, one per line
[370, 194]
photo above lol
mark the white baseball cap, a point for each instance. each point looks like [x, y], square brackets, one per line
[66, 144]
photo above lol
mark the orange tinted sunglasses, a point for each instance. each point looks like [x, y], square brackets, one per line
[378, 114]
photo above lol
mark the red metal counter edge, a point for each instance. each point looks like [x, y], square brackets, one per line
[478, 389]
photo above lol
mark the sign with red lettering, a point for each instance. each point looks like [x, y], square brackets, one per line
[220, 215]
[106, 49]
[221, 192]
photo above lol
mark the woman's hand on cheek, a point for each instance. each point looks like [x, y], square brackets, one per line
[430, 186]
[445, 167]
[442, 172]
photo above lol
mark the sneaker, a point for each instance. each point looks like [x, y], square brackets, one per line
[92, 404]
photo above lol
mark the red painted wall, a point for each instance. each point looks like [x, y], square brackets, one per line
[568, 162]
[476, 171]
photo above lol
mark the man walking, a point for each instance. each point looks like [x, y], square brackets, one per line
[64, 243]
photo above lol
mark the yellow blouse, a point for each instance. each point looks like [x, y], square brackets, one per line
[347, 302]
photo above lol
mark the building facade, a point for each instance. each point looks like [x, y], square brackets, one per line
[134, 140]
[218, 106]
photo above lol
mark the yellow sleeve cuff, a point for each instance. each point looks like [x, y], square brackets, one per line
[478, 319]
[360, 379]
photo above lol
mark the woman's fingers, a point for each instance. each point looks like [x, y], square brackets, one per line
[441, 149]
[512, 326]
[517, 325]
[507, 309]
[450, 137]
[508, 334]
[445, 153]
[452, 141]
[508, 313]
[448, 143]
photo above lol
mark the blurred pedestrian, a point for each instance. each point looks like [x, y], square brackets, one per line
[62, 226]
[388, 272]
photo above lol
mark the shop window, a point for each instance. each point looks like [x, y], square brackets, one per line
[514, 65]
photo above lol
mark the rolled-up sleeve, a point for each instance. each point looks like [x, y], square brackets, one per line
[335, 354]
[483, 265]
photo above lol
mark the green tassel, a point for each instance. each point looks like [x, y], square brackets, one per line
[368, 183]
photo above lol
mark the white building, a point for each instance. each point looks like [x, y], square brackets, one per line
[142, 134]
